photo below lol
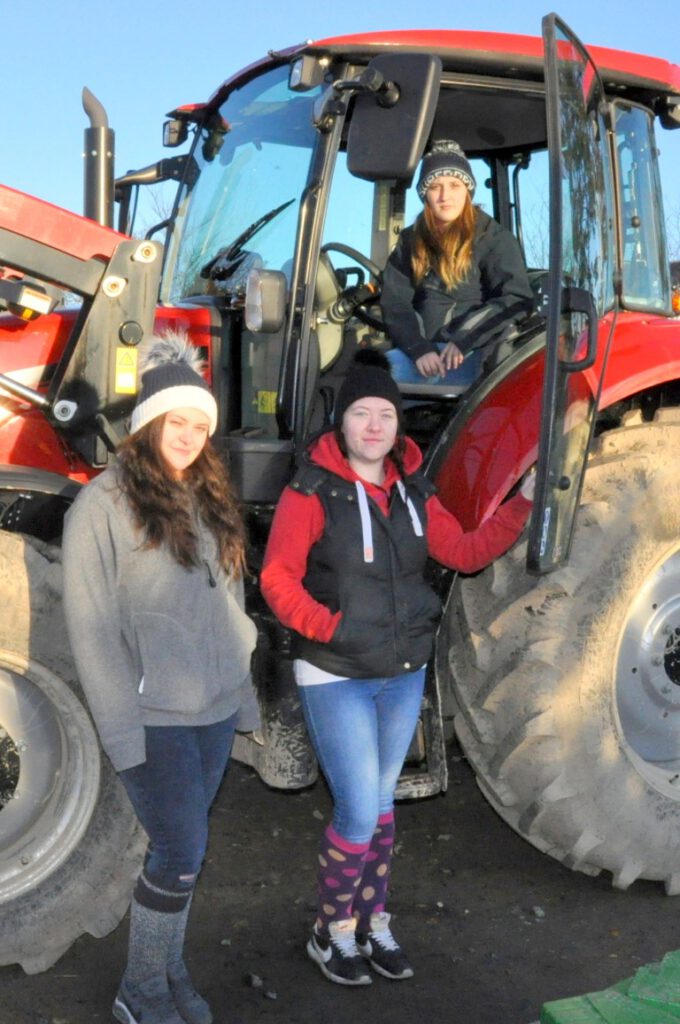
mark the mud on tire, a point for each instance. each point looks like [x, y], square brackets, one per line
[70, 846]
[567, 687]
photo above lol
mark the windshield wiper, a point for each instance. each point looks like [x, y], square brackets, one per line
[226, 261]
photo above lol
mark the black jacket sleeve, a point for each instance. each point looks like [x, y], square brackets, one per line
[507, 292]
[404, 326]
[504, 290]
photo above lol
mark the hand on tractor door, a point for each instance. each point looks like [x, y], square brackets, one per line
[528, 485]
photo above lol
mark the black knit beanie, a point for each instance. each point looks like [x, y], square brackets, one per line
[445, 160]
[368, 377]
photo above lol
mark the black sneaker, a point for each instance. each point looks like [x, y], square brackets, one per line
[382, 950]
[337, 954]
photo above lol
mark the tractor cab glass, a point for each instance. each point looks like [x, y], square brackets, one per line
[646, 281]
[582, 274]
[241, 212]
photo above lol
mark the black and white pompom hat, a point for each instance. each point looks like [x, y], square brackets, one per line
[445, 159]
[171, 379]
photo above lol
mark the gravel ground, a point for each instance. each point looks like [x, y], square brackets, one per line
[494, 928]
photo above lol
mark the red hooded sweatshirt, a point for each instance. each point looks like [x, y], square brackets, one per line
[299, 523]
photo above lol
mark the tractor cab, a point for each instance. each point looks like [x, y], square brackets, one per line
[300, 179]
[298, 191]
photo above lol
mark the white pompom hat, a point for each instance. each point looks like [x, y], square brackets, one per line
[171, 379]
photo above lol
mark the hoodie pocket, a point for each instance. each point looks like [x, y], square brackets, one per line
[363, 620]
[176, 669]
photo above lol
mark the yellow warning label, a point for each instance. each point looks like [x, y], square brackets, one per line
[266, 402]
[126, 371]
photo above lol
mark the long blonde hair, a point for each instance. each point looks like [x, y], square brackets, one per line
[449, 253]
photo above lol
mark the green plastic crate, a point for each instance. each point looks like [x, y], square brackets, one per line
[651, 996]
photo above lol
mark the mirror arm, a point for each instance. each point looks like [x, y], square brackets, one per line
[332, 103]
[371, 80]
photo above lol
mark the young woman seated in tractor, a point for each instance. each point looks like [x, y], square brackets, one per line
[454, 283]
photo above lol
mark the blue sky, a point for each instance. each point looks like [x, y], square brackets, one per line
[141, 58]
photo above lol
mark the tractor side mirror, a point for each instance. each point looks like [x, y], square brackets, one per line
[388, 131]
[175, 132]
[670, 116]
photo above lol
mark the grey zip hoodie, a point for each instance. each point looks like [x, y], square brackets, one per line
[154, 643]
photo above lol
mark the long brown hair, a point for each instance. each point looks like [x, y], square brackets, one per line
[165, 508]
[447, 253]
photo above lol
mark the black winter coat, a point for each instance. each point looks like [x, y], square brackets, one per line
[496, 292]
[389, 613]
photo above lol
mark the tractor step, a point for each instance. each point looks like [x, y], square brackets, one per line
[415, 787]
[427, 751]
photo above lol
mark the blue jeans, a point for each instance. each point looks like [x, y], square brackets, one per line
[361, 730]
[172, 793]
[405, 372]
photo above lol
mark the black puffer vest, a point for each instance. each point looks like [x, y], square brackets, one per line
[389, 613]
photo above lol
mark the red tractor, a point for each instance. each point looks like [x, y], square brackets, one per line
[559, 666]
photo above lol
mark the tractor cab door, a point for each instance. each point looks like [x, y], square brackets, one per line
[581, 300]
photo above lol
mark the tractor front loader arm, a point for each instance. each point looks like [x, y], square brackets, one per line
[92, 386]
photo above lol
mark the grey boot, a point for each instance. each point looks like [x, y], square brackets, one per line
[147, 1002]
[192, 1007]
[144, 996]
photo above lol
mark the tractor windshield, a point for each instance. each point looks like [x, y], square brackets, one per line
[240, 209]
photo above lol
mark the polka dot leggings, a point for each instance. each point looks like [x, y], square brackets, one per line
[353, 877]
[372, 892]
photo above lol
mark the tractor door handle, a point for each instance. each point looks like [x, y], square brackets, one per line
[580, 300]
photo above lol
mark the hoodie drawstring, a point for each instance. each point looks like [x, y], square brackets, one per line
[366, 528]
[365, 514]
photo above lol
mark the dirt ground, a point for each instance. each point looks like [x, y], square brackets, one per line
[494, 928]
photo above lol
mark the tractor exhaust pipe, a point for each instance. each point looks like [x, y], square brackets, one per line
[99, 146]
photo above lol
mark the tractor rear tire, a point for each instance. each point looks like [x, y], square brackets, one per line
[70, 845]
[567, 686]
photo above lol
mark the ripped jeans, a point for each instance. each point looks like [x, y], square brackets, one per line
[172, 793]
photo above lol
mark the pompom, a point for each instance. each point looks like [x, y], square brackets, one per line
[371, 357]
[170, 347]
[446, 147]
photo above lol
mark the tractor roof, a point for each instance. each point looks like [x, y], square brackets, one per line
[505, 55]
[509, 112]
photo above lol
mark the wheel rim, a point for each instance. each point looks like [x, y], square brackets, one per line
[648, 677]
[49, 760]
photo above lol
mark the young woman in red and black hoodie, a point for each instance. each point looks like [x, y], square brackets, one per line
[344, 568]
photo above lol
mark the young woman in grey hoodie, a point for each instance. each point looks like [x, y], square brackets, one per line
[153, 590]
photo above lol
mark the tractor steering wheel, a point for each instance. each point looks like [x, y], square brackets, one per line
[353, 297]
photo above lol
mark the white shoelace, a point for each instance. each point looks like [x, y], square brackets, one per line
[385, 938]
[346, 944]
